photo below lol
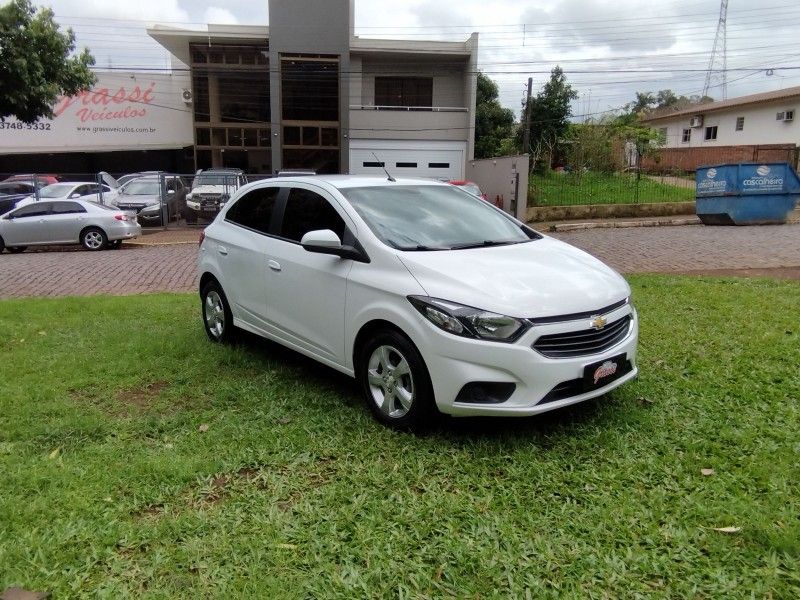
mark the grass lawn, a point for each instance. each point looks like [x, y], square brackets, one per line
[562, 189]
[137, 459]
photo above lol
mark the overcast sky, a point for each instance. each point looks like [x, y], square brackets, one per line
[608, 48]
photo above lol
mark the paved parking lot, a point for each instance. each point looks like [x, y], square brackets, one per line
[136, 270]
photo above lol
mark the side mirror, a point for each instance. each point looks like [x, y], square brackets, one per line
[325, 241]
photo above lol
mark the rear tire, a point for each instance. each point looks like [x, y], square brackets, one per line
[115, 245]
[217, 316]
[2, 245]
[94, 239]
[17, 249]
[191, 217]
[395, 382]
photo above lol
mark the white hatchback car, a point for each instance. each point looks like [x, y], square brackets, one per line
[432, 298]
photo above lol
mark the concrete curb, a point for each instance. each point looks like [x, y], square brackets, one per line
[154, 244]
[561, 227]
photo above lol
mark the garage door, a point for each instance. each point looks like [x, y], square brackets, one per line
[437, 160]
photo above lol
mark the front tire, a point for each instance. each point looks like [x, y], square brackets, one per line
[217, 316]
[94, 239]
[395, 382]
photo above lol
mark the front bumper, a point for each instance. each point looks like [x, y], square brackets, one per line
[453, 362]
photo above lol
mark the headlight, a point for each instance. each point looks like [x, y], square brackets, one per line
[467, 321]
[189, 196]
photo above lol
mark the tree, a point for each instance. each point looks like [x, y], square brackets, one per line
[660, 102]
[550, 112]
[36, 62]
[493, 123]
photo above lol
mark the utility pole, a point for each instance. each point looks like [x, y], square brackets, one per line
[526, 134]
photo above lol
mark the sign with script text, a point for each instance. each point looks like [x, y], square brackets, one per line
[123, 111]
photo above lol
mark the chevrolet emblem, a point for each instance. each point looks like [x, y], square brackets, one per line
[598, 322]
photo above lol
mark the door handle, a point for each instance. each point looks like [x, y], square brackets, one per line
[222, 250]
[274, 265]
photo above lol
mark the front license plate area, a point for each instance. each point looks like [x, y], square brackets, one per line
[603, 372]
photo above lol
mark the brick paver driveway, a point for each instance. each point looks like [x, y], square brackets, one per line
[134, 270]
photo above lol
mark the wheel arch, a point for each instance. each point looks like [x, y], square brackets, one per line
[371, 327]
[87, 228]
[205, 279]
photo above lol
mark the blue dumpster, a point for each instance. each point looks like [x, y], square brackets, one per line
[746, 193]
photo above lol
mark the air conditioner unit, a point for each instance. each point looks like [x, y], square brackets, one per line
[186, 94]
[696, 121]
[786, 116]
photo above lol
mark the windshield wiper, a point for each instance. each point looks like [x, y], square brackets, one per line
[420, 248]
[485, 244]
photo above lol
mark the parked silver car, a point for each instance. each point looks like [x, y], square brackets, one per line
[66, 222]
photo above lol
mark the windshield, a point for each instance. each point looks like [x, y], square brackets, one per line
[218, 179]
[428, 217]
[57, 190]
[142, 188]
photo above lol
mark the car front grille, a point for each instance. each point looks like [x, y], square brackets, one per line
[584, 342]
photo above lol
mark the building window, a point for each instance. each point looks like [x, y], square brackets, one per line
[711, 133]
[687, 136]
[404, 91]
[438, 165]
[406, 165]
[739, 123]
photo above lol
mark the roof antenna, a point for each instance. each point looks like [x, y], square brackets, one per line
[383, 165]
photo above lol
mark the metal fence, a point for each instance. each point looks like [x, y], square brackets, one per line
[564, 188]
[157, 199]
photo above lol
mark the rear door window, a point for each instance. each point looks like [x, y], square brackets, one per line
[254, 209]
[308, 211]
[37, 209]
[66, 208]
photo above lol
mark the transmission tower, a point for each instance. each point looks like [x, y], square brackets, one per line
[720, 52]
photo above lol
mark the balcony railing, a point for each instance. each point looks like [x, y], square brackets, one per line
[410, 108]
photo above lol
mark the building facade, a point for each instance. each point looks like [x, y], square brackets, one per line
[757, 128]
[303, 93]
[306, 93]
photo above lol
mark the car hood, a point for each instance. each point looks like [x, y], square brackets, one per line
[541, 278]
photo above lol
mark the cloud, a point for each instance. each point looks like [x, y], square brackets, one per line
[153, 10]
[600, 24]
[219, 16]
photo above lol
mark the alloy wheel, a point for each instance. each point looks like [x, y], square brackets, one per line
[390, 381]
[214, 313]
[93, 240]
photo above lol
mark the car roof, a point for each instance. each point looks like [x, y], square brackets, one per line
[352, 181]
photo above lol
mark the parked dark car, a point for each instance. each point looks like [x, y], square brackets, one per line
[143, 197]
[12, 192]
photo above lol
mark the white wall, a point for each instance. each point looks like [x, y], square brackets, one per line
[123, 111]
[760, 126]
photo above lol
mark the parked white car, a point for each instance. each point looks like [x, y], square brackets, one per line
[89, 191]
[63, 222]
[431, 297]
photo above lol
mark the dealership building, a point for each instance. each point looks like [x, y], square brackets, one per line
[303, 93]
